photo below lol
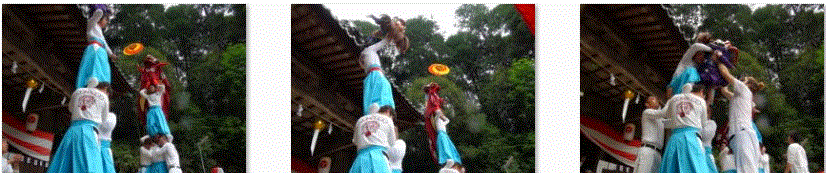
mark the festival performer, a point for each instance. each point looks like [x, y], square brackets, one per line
[796, 161]
[152, 74]
[396, 154]
[373, 135]
[433, 103]
[158, 160]
[155, 118]
[686, 71]
[105, 136]
[684, 151]
[709, 129]
[742, 136]
[377, 88]
[444, 145]
[95, 62]
[451, 167]
[727, 160]
[649, 155]
[80, 150]
[146, 155]
[170, 154]
[13, 164]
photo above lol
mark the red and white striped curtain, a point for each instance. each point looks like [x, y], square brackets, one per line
[610, 141]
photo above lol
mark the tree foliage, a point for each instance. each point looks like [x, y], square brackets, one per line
[489, 92]
[204, 45]
[781, 45]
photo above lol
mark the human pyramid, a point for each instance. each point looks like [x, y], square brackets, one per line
[375, 135]
[704, 69]
[85, 147]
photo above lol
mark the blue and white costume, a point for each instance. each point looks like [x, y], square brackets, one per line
[377, 88]
[684, 152]
[396, 155]
[155, 119]
[709, 130]
[373, 135]
[146, 156]
[727, 161]
[106, 129]
[158, 163]
[95, 62]
[445, 147]
[170, 155]
[764, 163]
[686, 71]
[649, 156]
[796, 158]
[743, 139]
[80, 150]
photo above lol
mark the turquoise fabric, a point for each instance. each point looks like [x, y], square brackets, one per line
[446, 149]
[377, 89]
[108, 161]
[156, 122]
[79, 150]
[371, 160]
[689, 75]
[95, 63]
[684, 153]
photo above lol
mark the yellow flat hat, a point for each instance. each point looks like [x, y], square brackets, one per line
[438, 69]
[133, 49]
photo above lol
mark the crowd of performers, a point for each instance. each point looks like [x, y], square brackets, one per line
[86, 145]
[375, 135]
[703, 70]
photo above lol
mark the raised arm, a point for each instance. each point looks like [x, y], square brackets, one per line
[725, 73]
[162, 88]
[143, 94]
[93, 20]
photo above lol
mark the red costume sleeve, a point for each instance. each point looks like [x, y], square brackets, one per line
[433, 103]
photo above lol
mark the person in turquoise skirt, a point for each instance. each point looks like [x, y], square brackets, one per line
[373, 135]
[377, 88]
[155, 118]
[444, 146]
[79, 150]
[686, 71]
[95, 60]
[684, 152]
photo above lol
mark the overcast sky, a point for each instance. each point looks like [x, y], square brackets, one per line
[443, 14]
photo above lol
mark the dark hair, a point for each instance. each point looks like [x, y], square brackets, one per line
[103, 86]
[795, 136]
[387, 109]
[698, 87]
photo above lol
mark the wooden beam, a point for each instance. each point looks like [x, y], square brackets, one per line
[317, 156]
[307, 98]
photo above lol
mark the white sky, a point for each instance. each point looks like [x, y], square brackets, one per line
[443, 14]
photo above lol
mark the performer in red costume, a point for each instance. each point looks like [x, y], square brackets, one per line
[152, 74]
[433, 103]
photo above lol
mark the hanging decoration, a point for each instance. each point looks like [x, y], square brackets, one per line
[31, 122]
[30, 85]
[628, 132]
[330, 128]
[300, 108]
[14, 67]
[41, 89]
[64, 101]
[628, 95]
[318, 125]
[637, 100]
[324, 165]
[612, 80]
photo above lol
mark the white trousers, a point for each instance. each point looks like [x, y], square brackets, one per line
[648, 160]
[746, 151]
